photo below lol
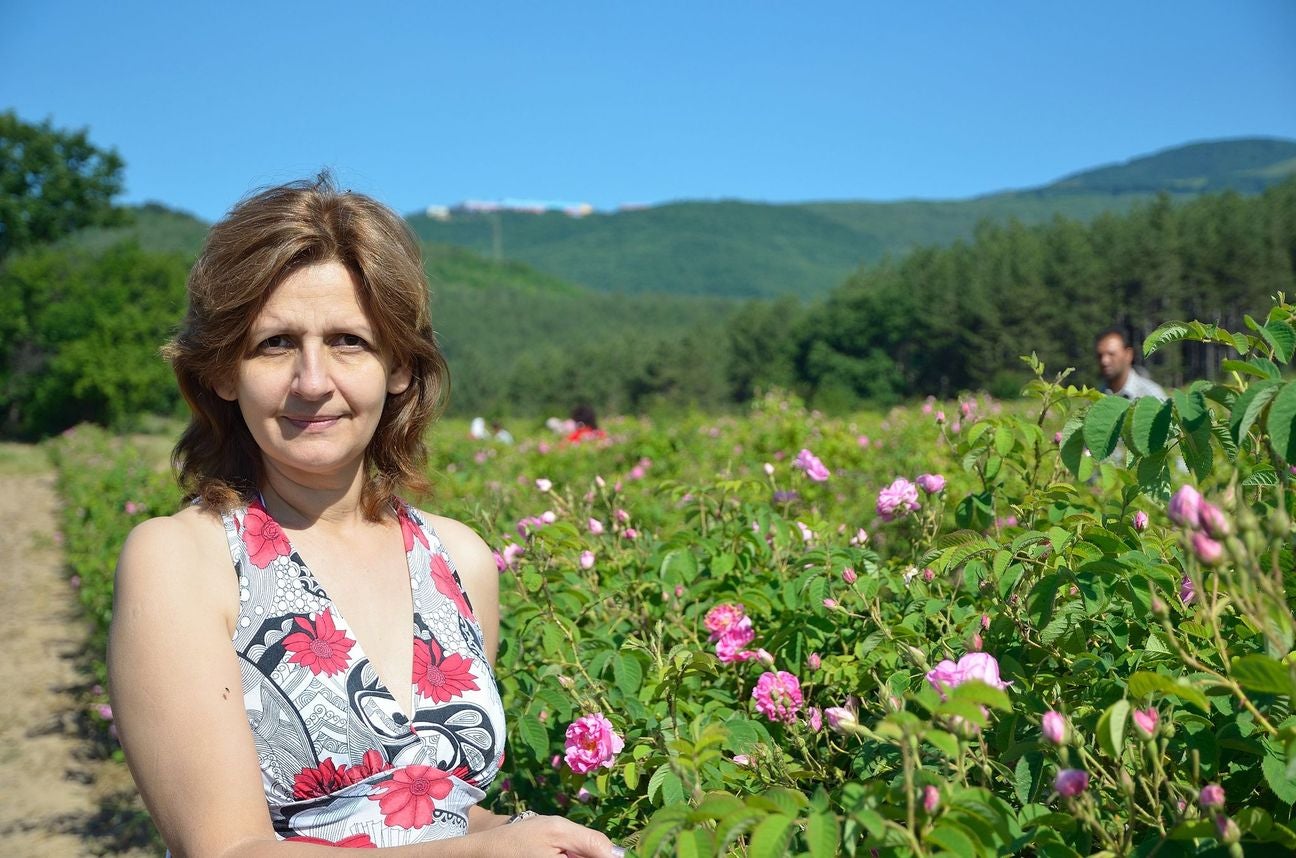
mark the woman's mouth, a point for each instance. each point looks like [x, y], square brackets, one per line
[311, 424]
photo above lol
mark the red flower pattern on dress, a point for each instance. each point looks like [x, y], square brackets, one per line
[319, 646]
[410, 530]
[407, 799]
[446, 583]
[355, 841]
[263, 537]
[370, 764]
[327, 778]
[441, 677]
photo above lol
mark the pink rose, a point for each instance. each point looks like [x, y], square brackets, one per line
[1212, 796]
[849, 575]
[930, 799]
[975, 665]
[816, 719]
[778, 696]
[1213, 520]
[591, 743]
[1140, 521]
[595, 526]
[931, 483]
[587, 560]
[897, 499]
[813, 661]
[814, 469]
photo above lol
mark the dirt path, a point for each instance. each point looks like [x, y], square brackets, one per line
[56, 798]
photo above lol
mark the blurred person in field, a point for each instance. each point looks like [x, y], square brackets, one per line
[585, 426]
[1116, 364]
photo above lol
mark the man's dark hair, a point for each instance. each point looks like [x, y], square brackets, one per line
[1114, 332]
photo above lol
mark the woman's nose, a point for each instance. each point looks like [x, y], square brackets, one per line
[312, 379]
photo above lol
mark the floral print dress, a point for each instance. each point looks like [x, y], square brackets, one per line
[340, 762]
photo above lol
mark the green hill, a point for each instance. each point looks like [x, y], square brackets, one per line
[744, 249]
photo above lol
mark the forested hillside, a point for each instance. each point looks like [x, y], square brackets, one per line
[746, 249]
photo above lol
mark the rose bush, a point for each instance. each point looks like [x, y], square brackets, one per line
[1038, 654]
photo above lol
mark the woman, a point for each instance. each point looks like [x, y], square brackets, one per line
[308, 361]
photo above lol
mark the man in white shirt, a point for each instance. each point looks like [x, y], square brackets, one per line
[1116, 363]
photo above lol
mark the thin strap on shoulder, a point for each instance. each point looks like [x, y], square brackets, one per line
[234, 521]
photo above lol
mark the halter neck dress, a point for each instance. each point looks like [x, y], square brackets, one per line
[340, 762]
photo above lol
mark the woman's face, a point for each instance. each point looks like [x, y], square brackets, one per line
[312, 383]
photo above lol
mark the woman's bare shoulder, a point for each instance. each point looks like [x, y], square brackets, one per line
[185, 553]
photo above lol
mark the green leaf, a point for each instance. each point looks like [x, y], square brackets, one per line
[1102, 425]
[1191, 408]
[1261, 673]
[1274, 766]
[716, 805]
[1003, 440]
[628, 673]
[1169, 332]
[978, 692]
[1248, 407]
[534, 734]
[770, 838]
[1154, 476]
[1282, 337]
[1282, 421]
[1111, 728]
[1147, 684]
[946, 743]
[1026, 776]
[1150, 425]
[953, 838]
[1197, 451]
[1257, 367]
[823, 835]
[1072, 449]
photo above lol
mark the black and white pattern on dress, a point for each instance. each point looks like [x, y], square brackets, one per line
[340, 762]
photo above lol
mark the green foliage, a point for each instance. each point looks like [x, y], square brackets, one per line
[52, 183]
[79, 337]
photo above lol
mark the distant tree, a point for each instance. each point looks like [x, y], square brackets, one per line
[52, 182]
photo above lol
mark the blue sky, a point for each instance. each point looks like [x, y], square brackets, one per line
[615, 102]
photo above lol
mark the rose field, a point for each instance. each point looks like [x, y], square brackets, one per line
[1057, 626]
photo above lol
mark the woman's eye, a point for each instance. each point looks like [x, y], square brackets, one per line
[275, 343]
[351, 341]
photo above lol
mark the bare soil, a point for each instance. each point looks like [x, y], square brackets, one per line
[60, 792]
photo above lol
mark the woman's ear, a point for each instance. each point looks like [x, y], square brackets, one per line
[226, 390]
[399, 380]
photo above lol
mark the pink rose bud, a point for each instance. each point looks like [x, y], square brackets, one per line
[622, 516]
[548, 516]
[940, 417]
[928, 574]
[830, 603]
[813, 661]
[584, 796]
[556, 761]
[930, 799]
[1227, 830]
[741, 760]
[1212, 797]
[1140, 521]
[849, 575]
[631, 533]
[861, 536]
[1213, 521]
[595, 526]
[841, 719]
[985, 622]
[977, 643]
[600, 482]
[105, 711]
[931, 483]
[587, 560]
[1057, 437]
[1054, 727]
[1145, 721]
[679, 591]
[1208, 551]
[769, 469]
[543, 485]
[1071, 782]
[1185, 507]
[816, 719]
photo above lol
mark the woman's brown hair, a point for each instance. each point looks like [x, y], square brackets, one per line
[260, 242]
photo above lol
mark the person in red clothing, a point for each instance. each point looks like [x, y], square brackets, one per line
[586, 425]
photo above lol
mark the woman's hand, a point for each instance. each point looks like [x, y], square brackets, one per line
[549, 837]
